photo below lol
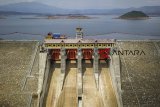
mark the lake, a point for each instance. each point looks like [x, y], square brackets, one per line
[100, 26]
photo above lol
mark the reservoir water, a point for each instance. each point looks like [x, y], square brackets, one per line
[100, 26]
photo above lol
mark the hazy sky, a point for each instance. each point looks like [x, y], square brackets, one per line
[91, 4]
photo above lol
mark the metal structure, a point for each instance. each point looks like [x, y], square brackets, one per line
[79, 33]
[87, 47]
[77, 45]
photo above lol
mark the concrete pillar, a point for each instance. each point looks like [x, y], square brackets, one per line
[63, 60]
[96, 60]
[63, 67]
[96, 65]
[79, 70]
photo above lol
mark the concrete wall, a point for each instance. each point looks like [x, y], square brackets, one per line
[44, 68]
[116, 78]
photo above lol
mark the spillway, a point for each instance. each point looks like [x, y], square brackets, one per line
[106, 87]
[94, 94]
[54, 85]
[91, 96]
[68, 96]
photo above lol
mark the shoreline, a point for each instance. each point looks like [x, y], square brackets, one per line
[137, 18]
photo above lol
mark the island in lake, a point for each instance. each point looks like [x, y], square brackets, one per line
[59, 17]
[2, 17]
[135, 15]
[68, 17]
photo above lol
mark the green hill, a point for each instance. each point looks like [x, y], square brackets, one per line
[134, 15]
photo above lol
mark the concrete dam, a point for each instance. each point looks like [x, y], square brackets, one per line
[80, 73]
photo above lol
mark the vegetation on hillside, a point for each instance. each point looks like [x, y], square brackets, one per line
[134, 15]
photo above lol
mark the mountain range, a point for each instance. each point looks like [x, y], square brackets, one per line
[38, 8]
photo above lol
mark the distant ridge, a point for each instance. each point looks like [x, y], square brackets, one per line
[35, 7]
[31, 7]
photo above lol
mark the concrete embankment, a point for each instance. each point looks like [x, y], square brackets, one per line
[19, 73]
[140, 74]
